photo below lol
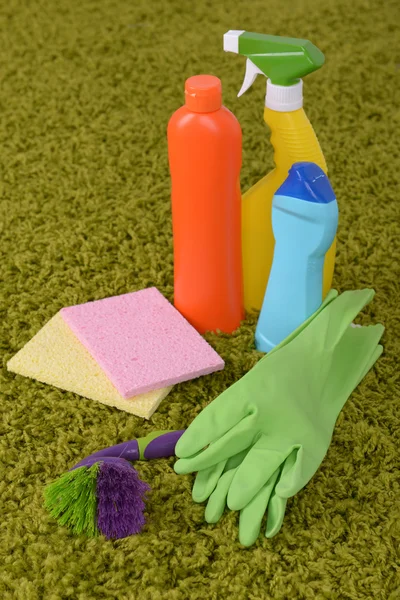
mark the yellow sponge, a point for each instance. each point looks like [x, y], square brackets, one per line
[56, 357]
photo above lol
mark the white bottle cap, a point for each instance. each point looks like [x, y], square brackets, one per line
[284, 98]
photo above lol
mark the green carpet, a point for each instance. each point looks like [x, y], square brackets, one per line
[86, 92]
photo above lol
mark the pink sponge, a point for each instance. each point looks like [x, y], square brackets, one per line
[141, 341]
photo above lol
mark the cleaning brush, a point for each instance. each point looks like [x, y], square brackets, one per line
[103, 493]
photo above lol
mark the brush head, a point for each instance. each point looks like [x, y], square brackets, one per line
[71, 500]
[120, 500]
[105, 496]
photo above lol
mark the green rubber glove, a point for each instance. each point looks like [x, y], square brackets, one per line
[219, 478]
[214, 482]
[252, 514]
[282, 413]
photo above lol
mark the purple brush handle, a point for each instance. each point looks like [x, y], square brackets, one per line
[127, 450]
[155, 445]
[163, 445]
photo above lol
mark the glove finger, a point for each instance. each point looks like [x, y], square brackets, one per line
[251, 516]
[217, 501]
[254, 472]
[207, 479]
[237, 439]
[276, 514]
[217, 419]
[236, 460]
[291, 481]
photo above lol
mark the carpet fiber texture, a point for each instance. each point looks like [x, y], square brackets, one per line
[86, 91]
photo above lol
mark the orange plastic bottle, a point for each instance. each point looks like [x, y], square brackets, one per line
[205, 158]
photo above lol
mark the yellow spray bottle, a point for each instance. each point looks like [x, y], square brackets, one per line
[284, 61]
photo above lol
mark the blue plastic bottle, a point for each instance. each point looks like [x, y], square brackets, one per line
[304, 222]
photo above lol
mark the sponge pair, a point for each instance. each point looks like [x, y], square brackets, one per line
[125, 351]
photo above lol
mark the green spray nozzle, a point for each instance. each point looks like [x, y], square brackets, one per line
[283, 60]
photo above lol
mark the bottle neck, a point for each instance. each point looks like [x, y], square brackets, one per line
[282, 98]
[293, 140]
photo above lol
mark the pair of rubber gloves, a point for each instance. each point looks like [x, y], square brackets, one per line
[263, 439]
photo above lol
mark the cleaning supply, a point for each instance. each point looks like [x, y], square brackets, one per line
[304, 222]
[252, 515]
[283, 413]
[284, 61]
[205, 156]
[103, 493]
[141, 341]
[56, 357]
[125, 351]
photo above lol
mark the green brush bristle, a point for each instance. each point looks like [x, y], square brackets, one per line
[72, 501]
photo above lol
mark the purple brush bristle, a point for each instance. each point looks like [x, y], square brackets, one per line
[120, 499]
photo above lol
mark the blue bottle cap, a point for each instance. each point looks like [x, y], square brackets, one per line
[307, 181]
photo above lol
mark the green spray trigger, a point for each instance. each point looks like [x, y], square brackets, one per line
[283, 60]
